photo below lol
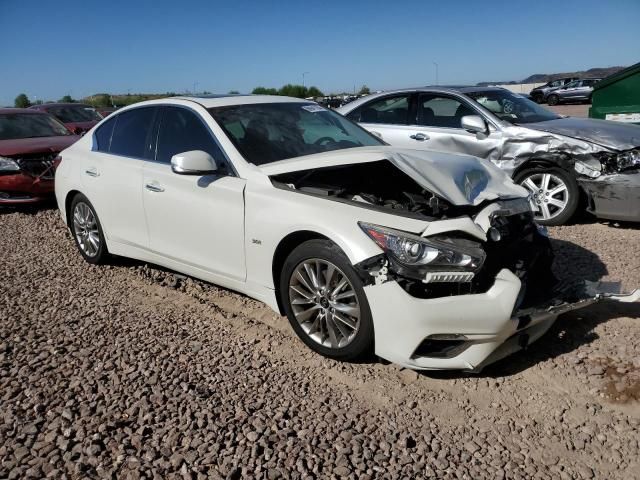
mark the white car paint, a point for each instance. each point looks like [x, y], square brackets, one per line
[227, 232]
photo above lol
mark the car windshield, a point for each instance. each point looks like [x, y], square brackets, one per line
[30, 125]
[268, 132]
[512, 108]
[75, 114]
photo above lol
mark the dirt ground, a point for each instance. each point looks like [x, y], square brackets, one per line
[571, 110]
[128, 371]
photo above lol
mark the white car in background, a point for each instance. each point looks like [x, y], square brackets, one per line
[431, 260]
[565, 163]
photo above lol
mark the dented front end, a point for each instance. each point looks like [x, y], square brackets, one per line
[498, 295]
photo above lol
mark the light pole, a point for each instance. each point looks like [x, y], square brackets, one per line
[303, 75]
[436, 64]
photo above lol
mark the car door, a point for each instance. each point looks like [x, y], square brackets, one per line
[112, 174]
[387, 117]
[196, 220]
[438, 127]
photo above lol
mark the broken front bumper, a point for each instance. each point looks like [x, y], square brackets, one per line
[485, 325]
[615, 196]
[21, 188]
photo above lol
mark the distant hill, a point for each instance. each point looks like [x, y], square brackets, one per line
[599, 72]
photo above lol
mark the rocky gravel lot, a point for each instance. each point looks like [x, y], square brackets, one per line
[128, 371]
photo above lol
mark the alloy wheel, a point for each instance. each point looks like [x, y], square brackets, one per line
[85, 228]
[550, 194]
[324, 303]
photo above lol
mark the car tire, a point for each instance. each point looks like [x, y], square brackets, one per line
[87, 231]
[330, 315]
[545, 185]
[553, 100]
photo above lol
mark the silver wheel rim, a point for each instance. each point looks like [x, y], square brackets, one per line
[324, 303]
[85, 228]
[550, 194]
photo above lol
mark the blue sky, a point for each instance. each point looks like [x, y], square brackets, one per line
[80, 47]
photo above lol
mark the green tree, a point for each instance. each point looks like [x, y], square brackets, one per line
[364, 90]
[290, 90]
[66, 99]
[264, 91]
[22, 101]
[314, 92]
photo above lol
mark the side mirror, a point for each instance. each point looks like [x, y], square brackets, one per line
[473, 124]
[194, 162]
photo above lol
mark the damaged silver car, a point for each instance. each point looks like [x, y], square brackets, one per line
[565, 163]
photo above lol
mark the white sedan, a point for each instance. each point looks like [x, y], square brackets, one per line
[430, 260]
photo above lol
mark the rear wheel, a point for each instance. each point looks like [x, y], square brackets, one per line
[87, 231]
[553, 100]
[325, 302]
[555, 194]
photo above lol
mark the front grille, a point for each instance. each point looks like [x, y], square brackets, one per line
[38, 166]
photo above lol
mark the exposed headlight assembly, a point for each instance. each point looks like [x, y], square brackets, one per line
[8, 165]
[432, 259]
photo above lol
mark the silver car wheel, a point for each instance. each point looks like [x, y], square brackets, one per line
[550, 194]
[85, 228]
[324, 303]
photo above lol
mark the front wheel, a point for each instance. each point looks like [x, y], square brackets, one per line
[555, 194]
[325, 302]
[87, 231]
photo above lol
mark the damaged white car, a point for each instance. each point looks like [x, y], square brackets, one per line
[566, 163]
[431, 260]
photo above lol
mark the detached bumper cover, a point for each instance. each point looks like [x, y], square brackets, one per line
[487, 321]
[615, 196]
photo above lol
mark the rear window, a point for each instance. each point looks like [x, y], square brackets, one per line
[103, 135]
[132, 132]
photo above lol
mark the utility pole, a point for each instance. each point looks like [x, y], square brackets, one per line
[436, 64]
[303, 75]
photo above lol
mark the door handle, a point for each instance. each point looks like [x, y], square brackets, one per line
[421, 137]
[154, 187]
[92, 172]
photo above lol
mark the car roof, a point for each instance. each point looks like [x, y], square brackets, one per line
[6, 111]
[211, 101]
[59, 104]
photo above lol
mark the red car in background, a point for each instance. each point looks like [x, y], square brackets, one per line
[77, 117]
[29, 144]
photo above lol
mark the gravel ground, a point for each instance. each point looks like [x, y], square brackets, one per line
[127, 371]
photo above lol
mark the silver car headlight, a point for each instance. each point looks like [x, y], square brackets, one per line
[8, 165]
[453, 259]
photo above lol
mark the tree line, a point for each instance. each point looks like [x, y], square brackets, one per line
[107, 100]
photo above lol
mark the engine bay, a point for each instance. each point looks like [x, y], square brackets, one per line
[379, 185]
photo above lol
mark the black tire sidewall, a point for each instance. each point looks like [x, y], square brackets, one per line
[572, 187]
[102, 250]
[362, 344]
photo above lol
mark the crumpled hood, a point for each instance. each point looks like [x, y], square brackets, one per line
[459, 179]
[613, 135]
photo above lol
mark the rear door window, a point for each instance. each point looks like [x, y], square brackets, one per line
[132, 133]
[182, 130]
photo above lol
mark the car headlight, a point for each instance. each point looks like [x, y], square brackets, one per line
[8, 165]
[440, 259]
[630, 159]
